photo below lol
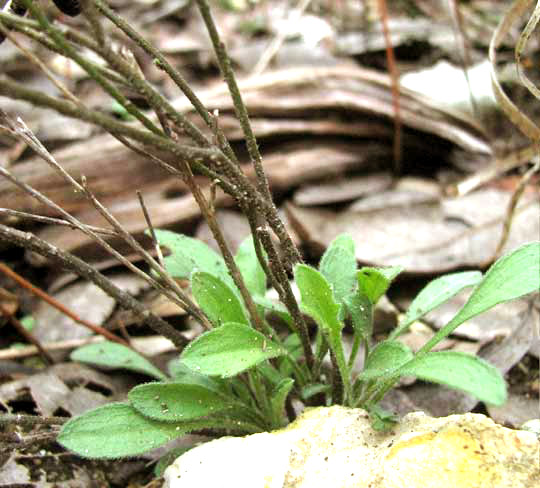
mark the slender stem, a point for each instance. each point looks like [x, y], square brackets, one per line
[16, 215]
[337, 382]
[91, 14]
[174, 74]
[287, 297]
[84, 270]
[55, 304]
[227, 72]
[224, 248]
[195, 155]
[252, 220]
[7, 419]
[22, 131]
[187, 303]
[155, 242]
[70, 51]
[357, 339]
[16, 442]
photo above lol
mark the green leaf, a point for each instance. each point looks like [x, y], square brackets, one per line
[317, 297]
[182, 374]
[461, 371]
[512, 276]
[344, 240]
[270, 373]
[28, 322]
[229, 350]
[188, 255]
[113, 355]
[385, 357]
[279, 396]
[374, 282]
[118, 430]
[435, 293]
[338, 266]
[217, 299]
[360, 309]
[166, 460]
[241, 391]
[275, 307]
[176, 402]
[314, 389]
[382, 420]
[293, 344]
[318, 302]
[252, 271]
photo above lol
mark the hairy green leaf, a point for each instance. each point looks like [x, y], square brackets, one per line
[252, 271]
[460, 371]
[317, 298]
[510, 277]
[113, 355]
[318, 302]
[338, 266]
[374, 282]
[182, 374]
[176, 402]
[229, 350]
[275, 307]
[314, 389]
[360, 309]
[381, 419]
[435, 293]
[217, 299]
[118, 430]
[385, 357]
[344, 240]
[188, 255]
[279, 396]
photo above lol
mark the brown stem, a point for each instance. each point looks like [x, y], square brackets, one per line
[61, 308]
[227, 72]
[223, 247]
[84, 270]
[287, 296]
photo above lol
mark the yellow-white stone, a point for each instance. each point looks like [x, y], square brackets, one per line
[337, 448]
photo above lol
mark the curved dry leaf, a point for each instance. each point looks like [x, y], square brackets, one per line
[525, 124]
[426, 236]
[342, 190]
[520, 46]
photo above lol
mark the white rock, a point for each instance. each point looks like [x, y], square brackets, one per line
[336, 448]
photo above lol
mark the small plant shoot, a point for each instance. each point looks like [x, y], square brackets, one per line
[235, 379]
[259, 359]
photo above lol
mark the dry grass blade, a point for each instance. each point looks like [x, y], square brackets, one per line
[524, 123]
[520, 46]
[512, 206]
